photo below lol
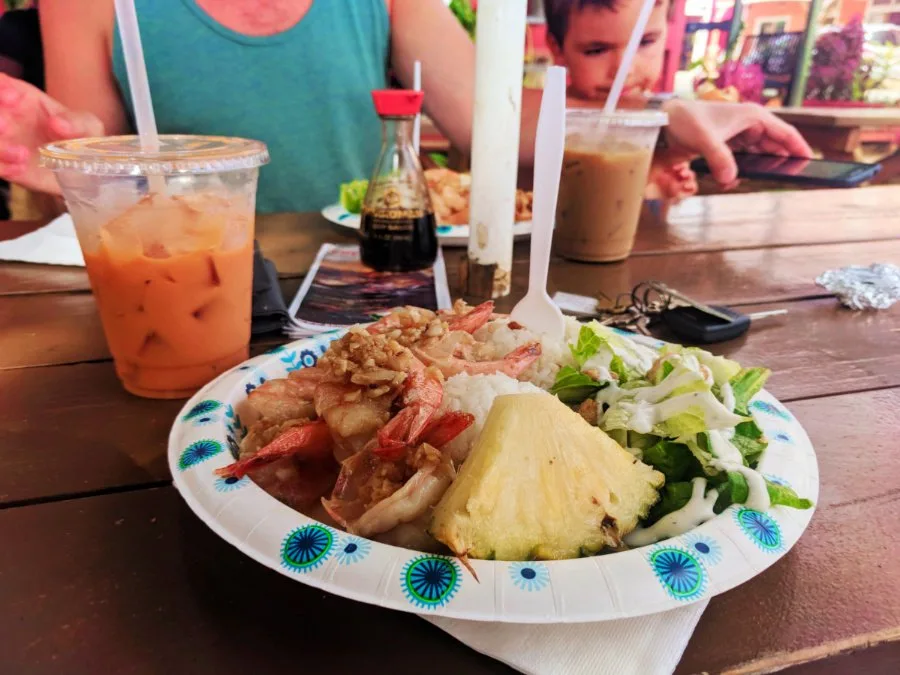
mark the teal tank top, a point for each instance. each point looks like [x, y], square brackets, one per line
[304, 92]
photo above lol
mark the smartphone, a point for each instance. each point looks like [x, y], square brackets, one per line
[798, 170]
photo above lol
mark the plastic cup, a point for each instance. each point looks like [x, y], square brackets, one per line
[604, 176]
[171, 269]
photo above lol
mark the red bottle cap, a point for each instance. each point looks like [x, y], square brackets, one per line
[397, 102]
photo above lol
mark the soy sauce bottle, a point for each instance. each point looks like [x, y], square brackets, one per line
[397, 230]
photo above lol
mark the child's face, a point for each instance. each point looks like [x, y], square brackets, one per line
[595, 42]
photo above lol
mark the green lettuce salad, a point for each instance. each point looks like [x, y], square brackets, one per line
[680, 409]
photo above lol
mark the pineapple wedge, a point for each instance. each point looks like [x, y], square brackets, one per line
[542, 483]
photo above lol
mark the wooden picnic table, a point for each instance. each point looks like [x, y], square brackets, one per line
[104, 569]
[840, 132]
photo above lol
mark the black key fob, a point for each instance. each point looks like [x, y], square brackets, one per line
[695, 325]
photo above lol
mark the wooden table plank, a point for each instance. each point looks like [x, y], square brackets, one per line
[725, 277]
[21, 278]
[135, 583]
[880, 659]
[766, 219]
[48, 430]
[54, 328]
[715, 223]
[840, 117]
[840, 586]
[50, 329]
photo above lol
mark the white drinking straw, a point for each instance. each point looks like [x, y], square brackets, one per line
[126, 17]
[417, 85]
[628, 57]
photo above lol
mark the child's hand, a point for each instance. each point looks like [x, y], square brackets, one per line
[714, 130]
[673, 182]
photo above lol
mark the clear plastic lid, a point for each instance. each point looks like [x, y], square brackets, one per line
[621, 118]
[177, 154]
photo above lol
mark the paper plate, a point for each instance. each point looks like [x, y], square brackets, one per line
[728, 550]
[448, 235]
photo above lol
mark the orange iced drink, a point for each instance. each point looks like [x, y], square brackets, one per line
[173, 278]
[167, 238]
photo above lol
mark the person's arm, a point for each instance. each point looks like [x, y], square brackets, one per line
[426, 30]
[77, 40]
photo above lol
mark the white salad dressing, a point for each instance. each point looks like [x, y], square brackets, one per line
[676, 379]
[729, 458]
[635, 356]
[697, 511]
[643, 416]
[729, 402]
[728, 396]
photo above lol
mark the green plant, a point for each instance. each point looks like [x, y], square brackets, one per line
[16, 4]
[464, 13]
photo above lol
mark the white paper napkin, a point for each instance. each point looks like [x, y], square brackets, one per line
[53, 244]
[646, 645]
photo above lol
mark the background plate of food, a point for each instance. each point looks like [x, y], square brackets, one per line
[456, 464]
[450, 198]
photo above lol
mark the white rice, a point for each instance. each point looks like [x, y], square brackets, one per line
[475, 394]
[554, 353]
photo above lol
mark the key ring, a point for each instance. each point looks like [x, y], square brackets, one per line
[642, 297]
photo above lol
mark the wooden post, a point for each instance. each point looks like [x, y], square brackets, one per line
[499, 67]
[801, 71]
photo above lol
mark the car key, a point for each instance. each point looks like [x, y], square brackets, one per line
[693, 324]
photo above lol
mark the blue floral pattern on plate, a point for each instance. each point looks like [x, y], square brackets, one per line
[234, 431]
[230, 484]
[202, 409]
[704, 547]
[770, 409]
[198, 451]
[306, 548]
[430, 581]
[258, 380]
[529, 576]
[352, 550]
[783, 437]
[762, 529]
[679, 572]
[294, 360]
[205, 420]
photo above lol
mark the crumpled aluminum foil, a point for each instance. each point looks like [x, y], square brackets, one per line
[858, 287]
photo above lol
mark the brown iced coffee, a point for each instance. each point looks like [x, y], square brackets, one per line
[604, 175]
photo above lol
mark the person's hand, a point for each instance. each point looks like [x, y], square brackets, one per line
[673, 182]
[29, 119]
[715, 130]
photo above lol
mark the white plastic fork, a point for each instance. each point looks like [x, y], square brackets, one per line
[536, 311]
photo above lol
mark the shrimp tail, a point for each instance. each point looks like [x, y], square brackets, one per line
[309, 441]
[473, 319]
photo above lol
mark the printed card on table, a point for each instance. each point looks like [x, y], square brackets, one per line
[340, 291]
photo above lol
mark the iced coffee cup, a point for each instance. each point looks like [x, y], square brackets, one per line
[167, 239]
[604, 176]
